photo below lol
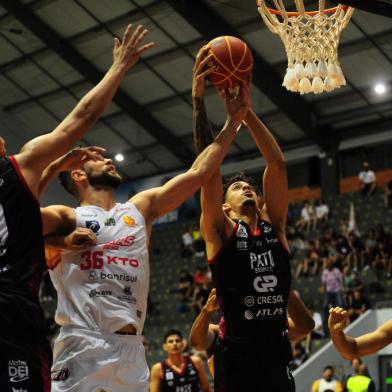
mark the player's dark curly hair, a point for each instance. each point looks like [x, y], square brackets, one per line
[240, 176]
[172, 332]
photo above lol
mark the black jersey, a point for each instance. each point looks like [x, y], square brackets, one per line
[185, 381]
[22, 255]
[252, 277]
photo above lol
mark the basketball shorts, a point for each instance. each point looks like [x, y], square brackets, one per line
[91, 361]
[24, 364]
[245, 367]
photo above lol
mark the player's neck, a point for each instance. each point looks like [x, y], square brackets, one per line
[176, 360]
[250, 217]
[101, 197]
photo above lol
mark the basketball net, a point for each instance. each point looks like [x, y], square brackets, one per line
[311, 41]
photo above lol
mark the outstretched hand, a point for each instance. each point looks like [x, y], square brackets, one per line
[77, 157]
[237, 102]
[338, 319]
[201, 70]
[128, 51]
[212, 304]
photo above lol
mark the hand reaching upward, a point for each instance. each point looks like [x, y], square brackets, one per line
[127, 52]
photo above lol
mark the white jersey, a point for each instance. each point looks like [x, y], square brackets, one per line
[106, 286]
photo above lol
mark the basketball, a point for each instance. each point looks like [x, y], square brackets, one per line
[233, 59]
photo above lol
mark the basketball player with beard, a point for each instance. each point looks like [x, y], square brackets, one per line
[102, 290]
[178, 372]
[25, 353]
[250, 262]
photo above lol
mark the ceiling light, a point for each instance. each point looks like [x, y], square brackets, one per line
[379, 88]
[119, 157]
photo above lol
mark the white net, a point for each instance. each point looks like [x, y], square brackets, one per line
[311, 40]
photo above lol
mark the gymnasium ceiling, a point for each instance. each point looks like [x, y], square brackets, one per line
[53, 51]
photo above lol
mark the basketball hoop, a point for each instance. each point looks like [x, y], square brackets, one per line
[311, 40]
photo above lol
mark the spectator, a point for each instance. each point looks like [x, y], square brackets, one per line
[186, 243]
[358, 306]
[380, 260]
[367, 180]
[322, 211]
[200, 276]
[198, 241]
[360, 382]
[318, 331]
[355, 258]
[332, 280]
[299, 354]
[307, 217]
[200, 297]
[310, 262]
[355, 364]
[185, 286]
[351, 282]
[327, 382]
[388, 195]
[343, 251]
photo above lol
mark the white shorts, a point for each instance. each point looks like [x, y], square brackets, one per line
[91, 361]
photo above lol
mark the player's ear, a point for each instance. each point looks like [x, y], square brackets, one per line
[164, 347]
[78, 175]
[226, 208]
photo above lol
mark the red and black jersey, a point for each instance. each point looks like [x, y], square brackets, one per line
[185, 381]
[252, 277]
[22, 255]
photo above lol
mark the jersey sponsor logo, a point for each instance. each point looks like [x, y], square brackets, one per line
[184, 388]
[289, 370]
[169, 376]
[241, 232]
[88, 215]
[110, 222]
[19, 390]
[249, 301]
[242, 245]
[129, 221]
[272, 240]
[129, 240]
[18, 371]
[96, 260]
[95, 276]
[267, 312]
[249, 315]
[267, 229]
[97, 293]
[265, 283]
[1, 181]
[93, 225]
[128, 297]
[60, 375]
[262, 262]
[259, 243]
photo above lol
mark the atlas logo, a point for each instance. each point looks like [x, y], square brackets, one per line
[264, 284]
[18, 371]
[60, 375]
[93, 225]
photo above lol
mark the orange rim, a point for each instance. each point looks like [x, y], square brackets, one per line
[310, 13]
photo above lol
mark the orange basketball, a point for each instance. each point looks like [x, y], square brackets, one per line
[233, 59]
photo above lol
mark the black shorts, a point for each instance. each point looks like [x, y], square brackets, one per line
[251, 367]
[25, 364]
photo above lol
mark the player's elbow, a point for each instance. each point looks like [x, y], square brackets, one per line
[200, 174]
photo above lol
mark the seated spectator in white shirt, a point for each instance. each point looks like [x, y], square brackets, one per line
[322, 211]
[367, 179]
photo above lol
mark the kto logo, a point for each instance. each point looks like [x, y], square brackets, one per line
[18, 371]
[96, 260]
[266, 283]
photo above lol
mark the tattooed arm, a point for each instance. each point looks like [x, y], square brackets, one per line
[202, 134]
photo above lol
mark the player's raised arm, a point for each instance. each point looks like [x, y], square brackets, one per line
[39, 152]
[275, 188]
[202, 334]
[351, 348]
[159, 201]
